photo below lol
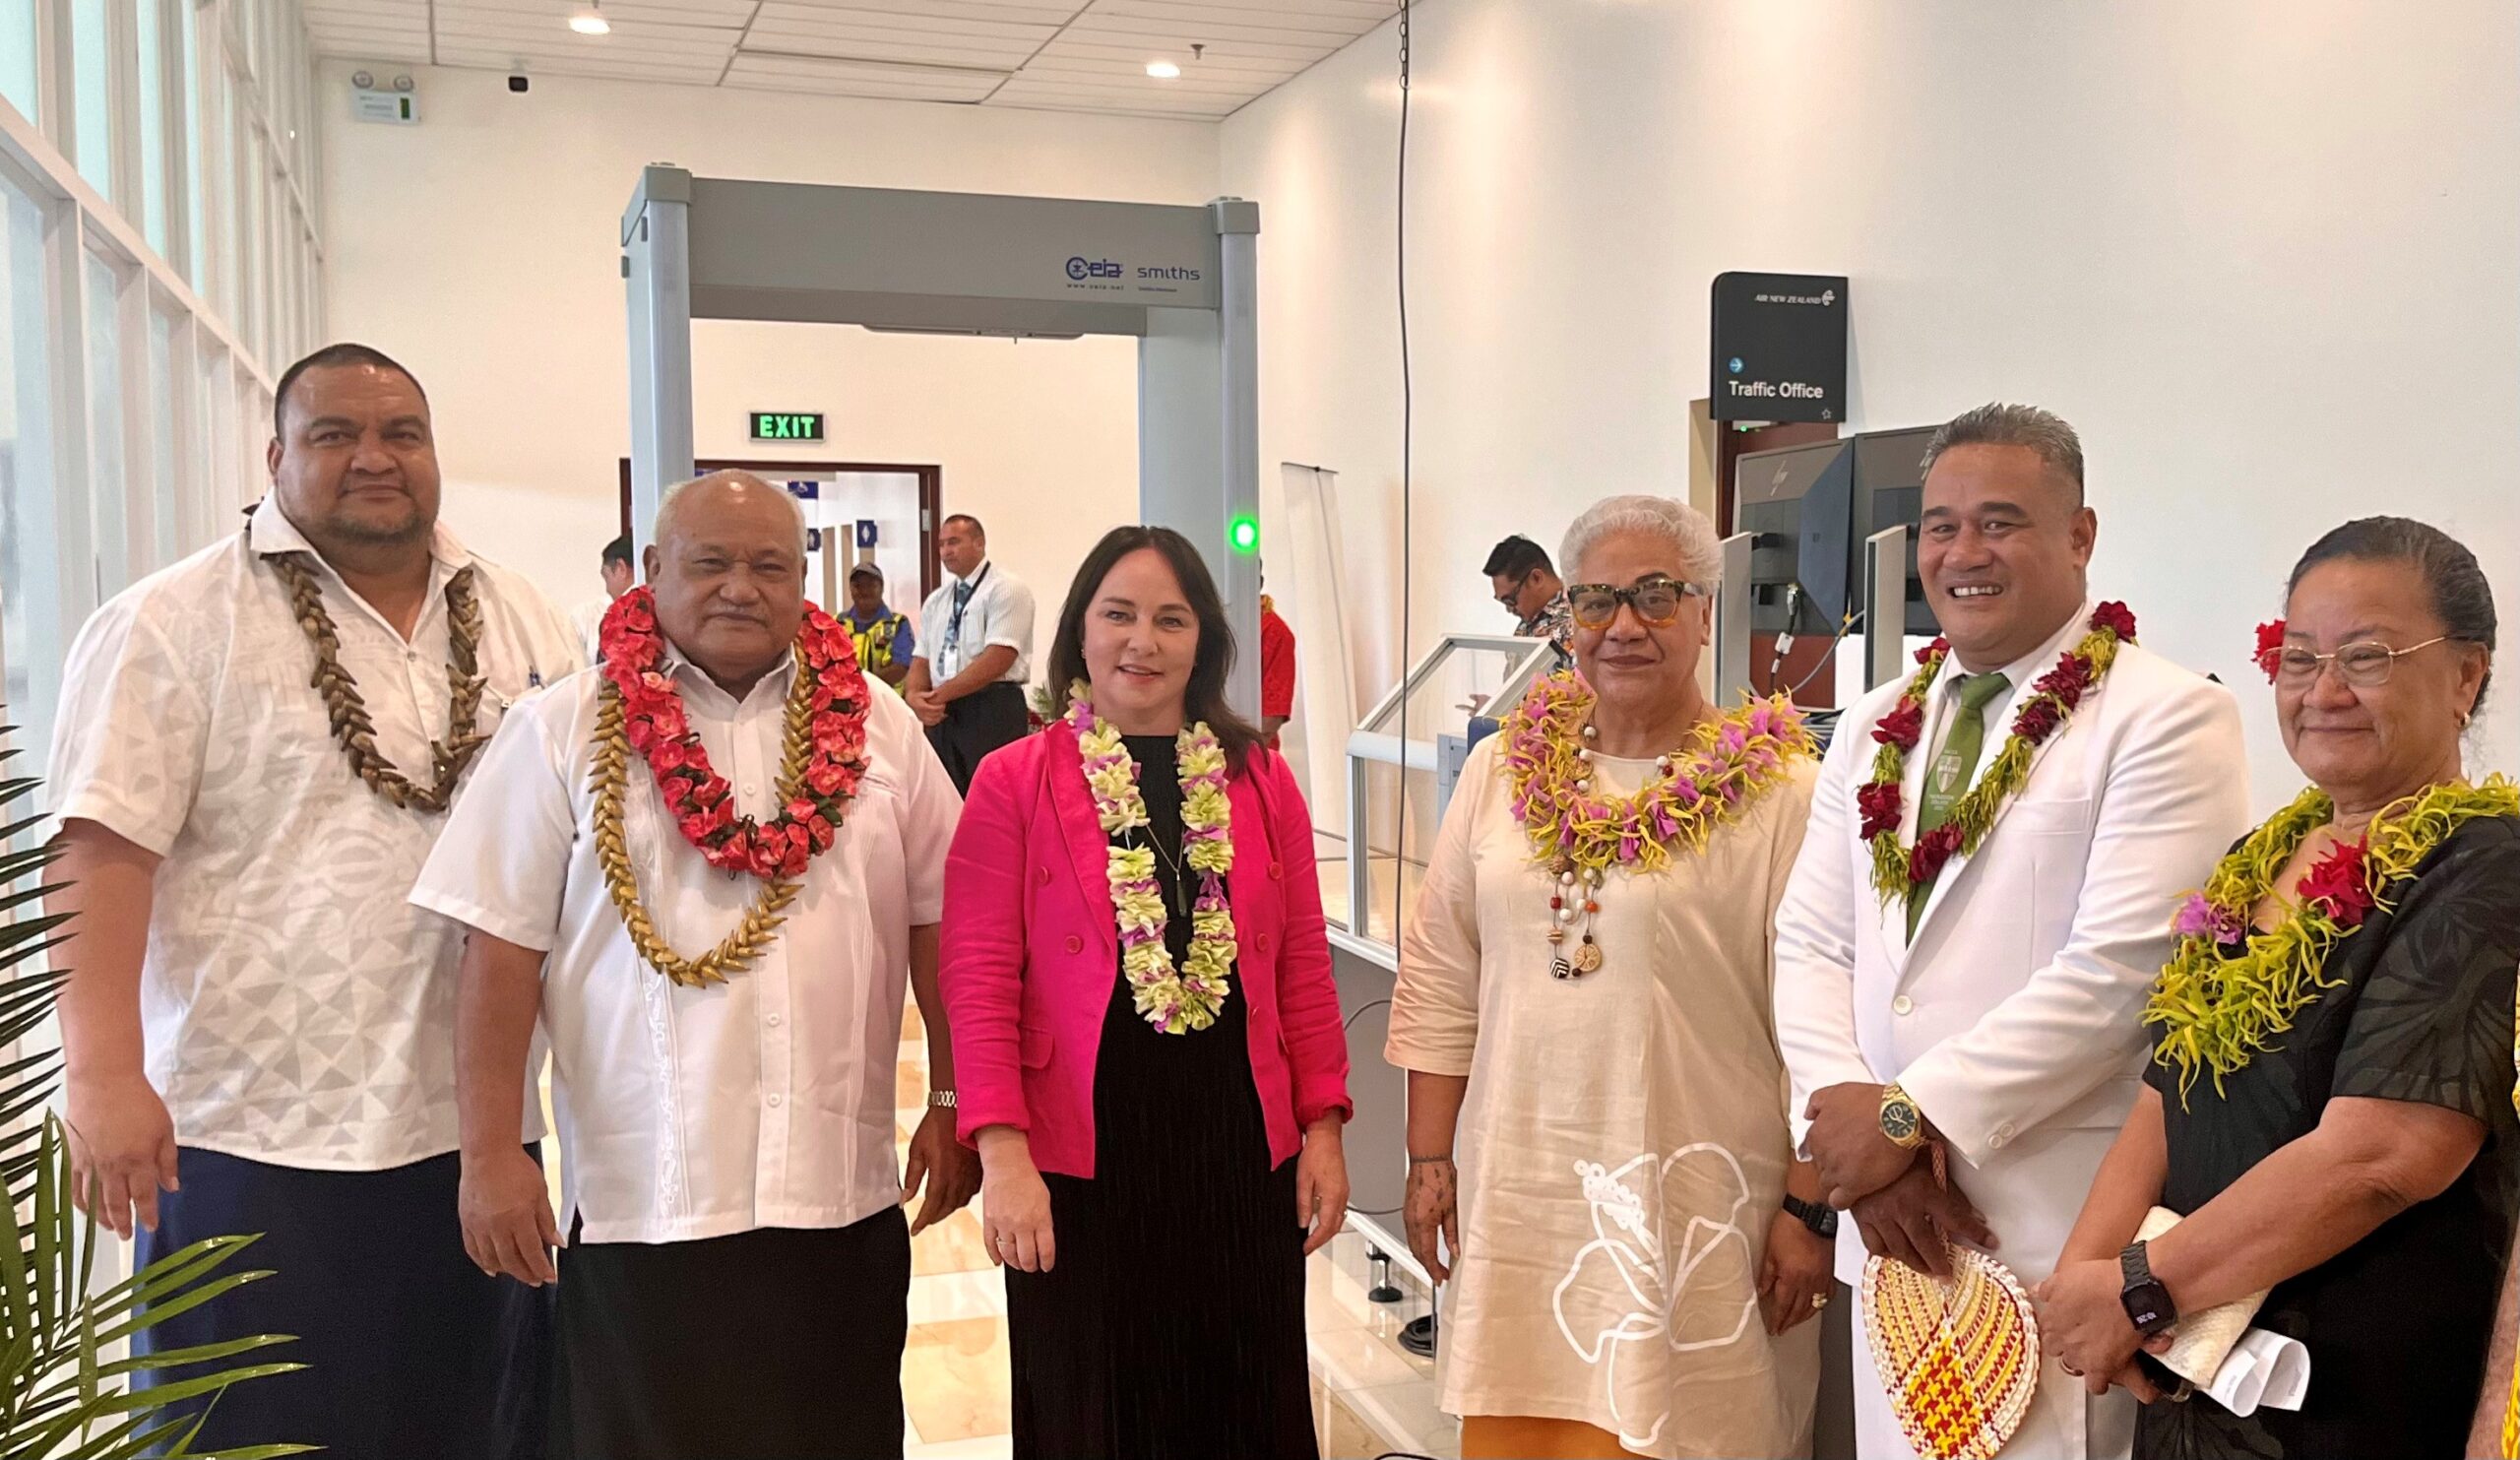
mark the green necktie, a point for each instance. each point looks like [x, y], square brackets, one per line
[1947, 778]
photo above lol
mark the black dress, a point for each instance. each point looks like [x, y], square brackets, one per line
[2398, 1324]
[1173, 1322]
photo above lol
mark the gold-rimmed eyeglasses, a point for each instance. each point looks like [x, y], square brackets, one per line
[2364, 665]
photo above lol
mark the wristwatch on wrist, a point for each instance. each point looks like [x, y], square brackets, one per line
[2148, 1305]
[940, 1100]
[1901, 1120]
[1822, 1220]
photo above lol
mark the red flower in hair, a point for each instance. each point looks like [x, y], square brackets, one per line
[1881, 805]
[2335, 887]
[1902, 726]
[1932, 849]
[2115, 617]
[2270, 647]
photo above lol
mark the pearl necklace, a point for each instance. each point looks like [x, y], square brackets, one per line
[1579, 889]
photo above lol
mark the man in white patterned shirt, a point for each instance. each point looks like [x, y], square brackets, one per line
[254, 754]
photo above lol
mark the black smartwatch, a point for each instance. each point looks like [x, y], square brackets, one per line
[2148, 1305]
[1822, 1220]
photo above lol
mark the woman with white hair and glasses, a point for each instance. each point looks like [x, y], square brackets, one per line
[1597, 1109]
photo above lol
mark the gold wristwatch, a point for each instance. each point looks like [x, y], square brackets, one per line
[1901, 1120]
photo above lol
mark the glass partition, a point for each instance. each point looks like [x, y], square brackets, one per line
[1402, 763]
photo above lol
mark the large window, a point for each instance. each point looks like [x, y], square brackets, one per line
[26, 539]
[157, 264]
[109, 478]
[165, 510]
[92, 79]
[20, 77]
[157, 211]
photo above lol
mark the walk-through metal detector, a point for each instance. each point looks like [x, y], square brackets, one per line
[1181, 280]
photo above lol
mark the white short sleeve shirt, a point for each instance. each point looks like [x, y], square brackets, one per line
[767, 1099]
[1000, 611]
[294, 1010]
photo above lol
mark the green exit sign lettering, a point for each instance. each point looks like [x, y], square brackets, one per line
[786, 425]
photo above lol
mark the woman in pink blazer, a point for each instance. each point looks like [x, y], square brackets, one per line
[1147, 1042]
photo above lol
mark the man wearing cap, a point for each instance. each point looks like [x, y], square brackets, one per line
[885, 642]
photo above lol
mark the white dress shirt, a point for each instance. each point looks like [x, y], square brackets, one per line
[1000, 611]
[765, 1101]
[293, 1009]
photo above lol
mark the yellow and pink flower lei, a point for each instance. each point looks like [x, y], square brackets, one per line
[1174, 1000]
[1728, 764]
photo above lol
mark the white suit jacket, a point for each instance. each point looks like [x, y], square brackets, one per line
[2014, 1018]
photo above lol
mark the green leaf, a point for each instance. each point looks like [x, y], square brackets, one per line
[159, 1312]
[197, 1354]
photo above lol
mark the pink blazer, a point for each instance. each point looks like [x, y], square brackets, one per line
[1032, 955]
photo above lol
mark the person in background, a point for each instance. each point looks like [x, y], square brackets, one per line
[587, 619]
[1632, 1254]
[736, 1269]
[1148, 1036]
[975, 642]
[884, 639]
[1277, 670]
[260, 1033]
[2328, 1108]
[1526, 585]
[1982, 899]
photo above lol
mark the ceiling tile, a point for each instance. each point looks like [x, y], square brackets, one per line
[1068, 55]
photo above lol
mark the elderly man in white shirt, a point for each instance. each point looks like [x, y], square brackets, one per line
[975, 654]
[254, 750]
[709, 866]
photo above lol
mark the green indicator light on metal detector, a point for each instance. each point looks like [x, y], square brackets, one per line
[1244, 534]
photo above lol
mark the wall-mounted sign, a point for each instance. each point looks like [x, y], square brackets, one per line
[865, 531]
[786, 425]
[1779, 346]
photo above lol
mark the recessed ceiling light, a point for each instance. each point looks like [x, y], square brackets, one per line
[1162, 70]
[590, 21]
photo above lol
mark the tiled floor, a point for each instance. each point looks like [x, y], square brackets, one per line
[1369, 1396]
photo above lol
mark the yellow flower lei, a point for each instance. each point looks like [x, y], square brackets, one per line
[2218, 1012]
[1175, 1001]
[1728, 764]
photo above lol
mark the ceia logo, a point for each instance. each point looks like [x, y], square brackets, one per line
[1082, 268]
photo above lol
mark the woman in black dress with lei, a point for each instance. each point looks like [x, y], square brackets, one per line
[2329, 1111]
[1160, 1153]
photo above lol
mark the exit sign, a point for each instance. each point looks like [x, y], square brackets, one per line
[786, 425]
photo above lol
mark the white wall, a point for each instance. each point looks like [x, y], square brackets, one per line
[2261, 253]
[481, 248]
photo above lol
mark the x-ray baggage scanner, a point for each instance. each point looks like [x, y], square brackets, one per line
[1181, 280]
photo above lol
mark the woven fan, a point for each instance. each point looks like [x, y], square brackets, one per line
[1958, 1356]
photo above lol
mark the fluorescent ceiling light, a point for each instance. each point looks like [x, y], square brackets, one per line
[590, 21]
[1162, 70]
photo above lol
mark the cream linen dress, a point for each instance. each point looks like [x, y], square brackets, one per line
[1623, 1144]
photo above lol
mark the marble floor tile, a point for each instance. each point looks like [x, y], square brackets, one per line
[1355, 1359]
[945, 1297]
[950, 1245]
[954, 1380]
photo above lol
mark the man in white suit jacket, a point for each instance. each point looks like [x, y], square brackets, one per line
[2011, 1017]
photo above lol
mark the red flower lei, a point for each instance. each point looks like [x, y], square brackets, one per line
[833, 692]
[1898, 871]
